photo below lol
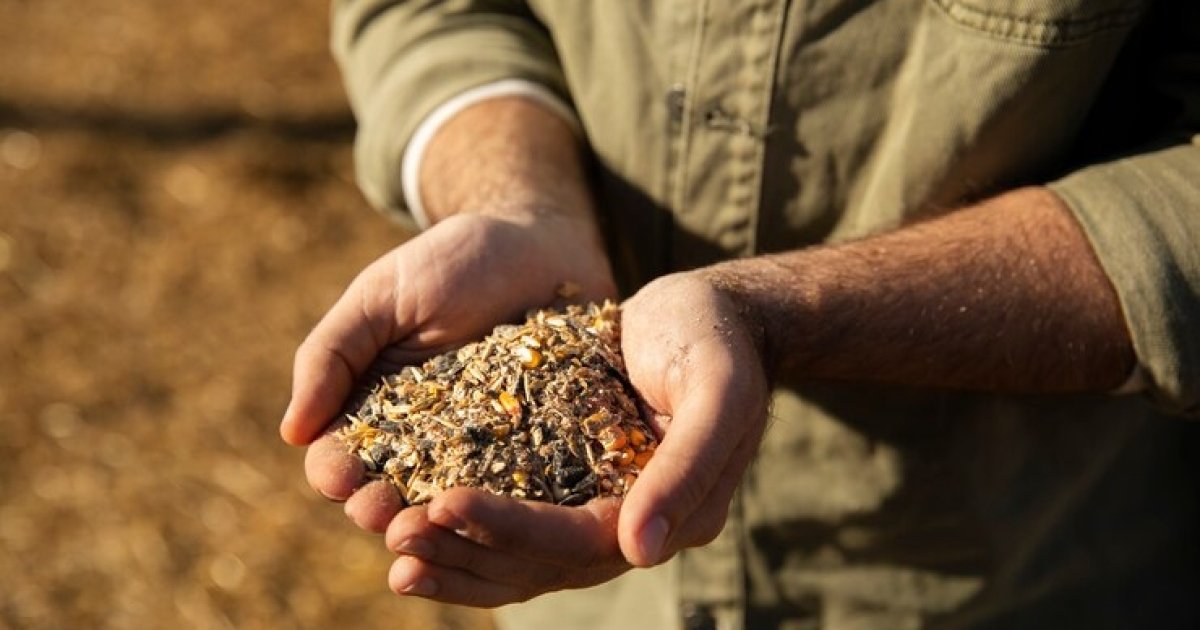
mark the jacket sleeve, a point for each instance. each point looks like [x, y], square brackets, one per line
[401, 59]
[1141, 212]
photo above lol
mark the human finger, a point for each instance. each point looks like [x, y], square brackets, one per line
[413, 576]
[706, 521]
[411, 533]
[705, 428]
[372, 506]
[331, 469]
[568, 536]
[337, 351]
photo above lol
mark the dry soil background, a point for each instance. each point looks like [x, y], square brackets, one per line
[176, 210]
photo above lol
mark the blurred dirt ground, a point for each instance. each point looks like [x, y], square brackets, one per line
[177, 209]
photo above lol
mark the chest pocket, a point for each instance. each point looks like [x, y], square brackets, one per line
[1043, 23]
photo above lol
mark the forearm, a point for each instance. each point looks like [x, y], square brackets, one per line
[509, 157]
[1003, 296]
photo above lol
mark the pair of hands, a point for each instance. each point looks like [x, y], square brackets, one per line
[687, 352]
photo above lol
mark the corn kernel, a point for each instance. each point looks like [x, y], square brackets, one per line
[641, 459]
[510, 404]
[520, 477]
[636, 437]
[529, 357]
[613, 439]
[626, 457]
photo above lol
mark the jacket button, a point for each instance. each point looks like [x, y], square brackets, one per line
[697, 617]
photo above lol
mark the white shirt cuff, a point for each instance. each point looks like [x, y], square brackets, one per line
[414, 153]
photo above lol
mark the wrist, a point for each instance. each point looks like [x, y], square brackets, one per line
[772, 304]
[508, 157]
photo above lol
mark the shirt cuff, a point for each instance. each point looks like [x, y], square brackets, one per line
[414, 153]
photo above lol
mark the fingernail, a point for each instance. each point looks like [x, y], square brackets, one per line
[654, 534]
[423, 587]
[418, 547]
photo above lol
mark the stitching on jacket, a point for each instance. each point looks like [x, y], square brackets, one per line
[1064, 31]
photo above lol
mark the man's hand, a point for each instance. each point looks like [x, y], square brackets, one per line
[447, 286]
[695, 360]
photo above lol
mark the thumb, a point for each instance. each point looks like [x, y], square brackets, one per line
[699, 442]
[337, 351]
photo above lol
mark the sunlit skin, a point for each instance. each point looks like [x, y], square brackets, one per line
[1002, 296]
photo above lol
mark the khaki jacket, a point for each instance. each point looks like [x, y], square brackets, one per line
[725, 129]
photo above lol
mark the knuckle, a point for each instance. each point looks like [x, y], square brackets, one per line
[710, 528]
[706, 527]
[495, 537]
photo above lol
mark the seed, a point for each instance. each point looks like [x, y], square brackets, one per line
[597, 422]
[529, 357]
[613, 439]
[641, 459]
[510, 404]
[540, 411]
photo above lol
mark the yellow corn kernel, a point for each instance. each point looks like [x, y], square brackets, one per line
[520, 477]
[636, 437]
[510, 404]
[529, 357]
[641, 459]
[626, 457]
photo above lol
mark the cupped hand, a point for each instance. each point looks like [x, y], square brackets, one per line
[447, 286]
[695, 360]
[694, 355]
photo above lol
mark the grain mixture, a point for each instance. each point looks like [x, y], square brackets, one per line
[541, 411]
